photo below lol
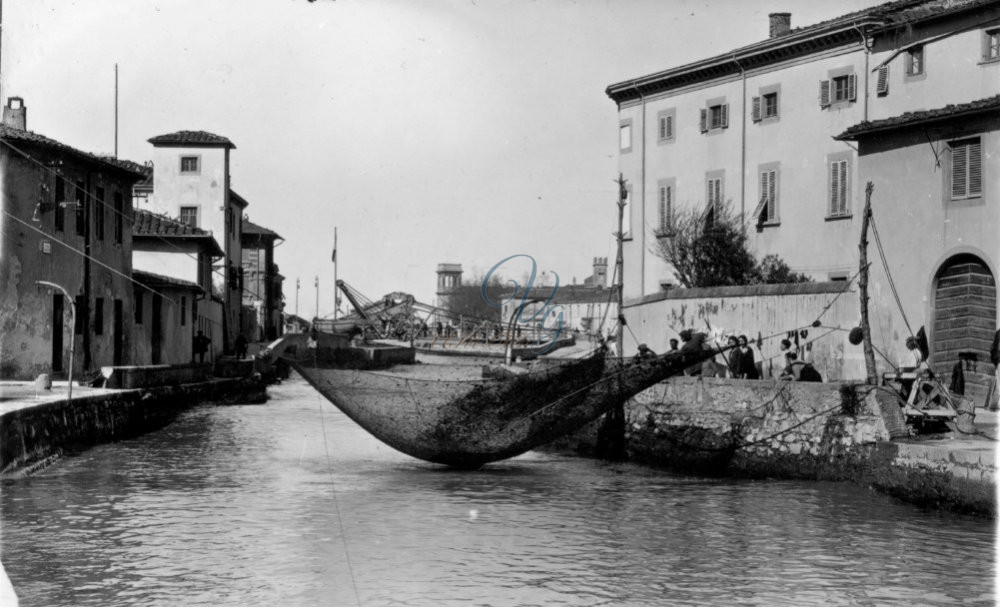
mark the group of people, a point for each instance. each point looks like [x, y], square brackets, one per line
[740, 360]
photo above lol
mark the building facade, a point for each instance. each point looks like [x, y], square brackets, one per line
[756, 128]
[65, 221]
[262, 283]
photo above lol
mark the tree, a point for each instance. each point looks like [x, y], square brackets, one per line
[711, 248]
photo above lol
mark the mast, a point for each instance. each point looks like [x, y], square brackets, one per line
[336, 296]
[620, 264]
[116, 110]
[863, 287]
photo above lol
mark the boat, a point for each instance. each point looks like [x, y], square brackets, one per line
[468, 413]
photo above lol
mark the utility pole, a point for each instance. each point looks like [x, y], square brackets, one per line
[335, 294]
[611, 435]
[317, 299]
[863, 288]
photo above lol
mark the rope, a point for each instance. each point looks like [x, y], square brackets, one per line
[839, 293]
[885, 264]
[333, 489]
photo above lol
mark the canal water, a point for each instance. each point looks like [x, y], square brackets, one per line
[290, 503]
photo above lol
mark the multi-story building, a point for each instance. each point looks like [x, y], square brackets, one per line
[66, 221]
[191, 182]
[262, 283]
[757, 127]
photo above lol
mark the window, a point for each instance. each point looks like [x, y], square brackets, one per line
[767, 205]
[137, 299]
[991, 45]
[184, 310]
[119, 221]
[81, 208]
[765, 106]
[714, 116]
[665, 208]
[625, 136]
[839, 188]
[60, 216]
[230, 220]
[915, 61]
[81, 314]
[99, 214]
[99, 316]
[189, 164]
[966, 168]
[665, 125]
[841, 88]
[189, 216]
[713, 195]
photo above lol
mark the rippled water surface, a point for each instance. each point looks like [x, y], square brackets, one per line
[290, 503]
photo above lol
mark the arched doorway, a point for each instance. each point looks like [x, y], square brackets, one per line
[965, 318]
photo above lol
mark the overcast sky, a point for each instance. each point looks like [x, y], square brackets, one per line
[426, 131]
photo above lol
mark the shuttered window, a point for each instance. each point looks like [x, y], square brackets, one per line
[99, 214]
[665, 209]
[966, 168]
[882, 84]
[714, 117]
[768, 196]
[991, 45]
[666, 127]
[915, 61]
[839, 89]
[713, 196]
[60, 216]
[839, 188]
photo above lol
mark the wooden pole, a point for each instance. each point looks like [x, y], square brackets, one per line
[870, 369]
[335, 294]
[611, 437]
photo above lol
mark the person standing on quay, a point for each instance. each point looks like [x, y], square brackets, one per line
[747, 361]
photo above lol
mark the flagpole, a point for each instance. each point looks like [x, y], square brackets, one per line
[335, 307]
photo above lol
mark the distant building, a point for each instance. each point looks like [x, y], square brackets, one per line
[262, 283]
[167, 320]
[449, 280]
[65, 219]
[191, 182]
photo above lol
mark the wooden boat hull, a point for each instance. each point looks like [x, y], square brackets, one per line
[446, 413]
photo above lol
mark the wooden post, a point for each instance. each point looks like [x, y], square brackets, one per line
[863, 287]
[611, 436]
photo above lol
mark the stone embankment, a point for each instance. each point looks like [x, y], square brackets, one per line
[824, 431]
[33, 433]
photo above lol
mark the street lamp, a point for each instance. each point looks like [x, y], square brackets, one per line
[72, 335]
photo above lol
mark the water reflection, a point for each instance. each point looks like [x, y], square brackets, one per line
[244, 505]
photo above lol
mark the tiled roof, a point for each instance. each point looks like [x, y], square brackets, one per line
[990, 104]
[249, 228]
[13, 135]
[191, 138]
[147, 223]
[797, 42]
[239, 200]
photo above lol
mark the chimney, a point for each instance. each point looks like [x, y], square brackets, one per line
[781, 24]
[15, 117]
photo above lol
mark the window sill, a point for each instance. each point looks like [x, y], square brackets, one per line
[990, 61]
[664, 234]
[770, 224]
[835, 218]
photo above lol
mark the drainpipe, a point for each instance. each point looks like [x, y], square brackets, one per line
[743, 145]
[642, 191]
[868, 51]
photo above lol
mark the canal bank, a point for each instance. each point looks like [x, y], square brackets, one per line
[782, 430]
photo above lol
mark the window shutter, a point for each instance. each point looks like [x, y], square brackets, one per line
[842, 203]
[882, 85]
[824, 93]
[704, 120]
[834, 187]
[725, 115]
[852, 92]
[663, 127]
[770, 195]
[975, 168]
[663, 201]
[669, 209]
[959, 168]
[755, 113]
[670, 127]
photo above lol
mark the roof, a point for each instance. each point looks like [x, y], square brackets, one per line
[567, 294]
[798, 42]
[153, 281]
[11, 134]
[147, 224]
[191, 138]
[962, 110]
[239, 200]
[251, 229]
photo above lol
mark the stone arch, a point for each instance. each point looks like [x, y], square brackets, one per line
[965, 317]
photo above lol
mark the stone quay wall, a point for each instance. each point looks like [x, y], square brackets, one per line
[33, 436]
[829, 431]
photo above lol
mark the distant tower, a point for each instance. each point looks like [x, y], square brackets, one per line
[449, 278]
[600, 276]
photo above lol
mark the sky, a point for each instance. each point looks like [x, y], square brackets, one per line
[460, 131]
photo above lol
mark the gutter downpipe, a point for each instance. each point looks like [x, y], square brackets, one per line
[642, 183]
[868, 51]
[743, 145]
